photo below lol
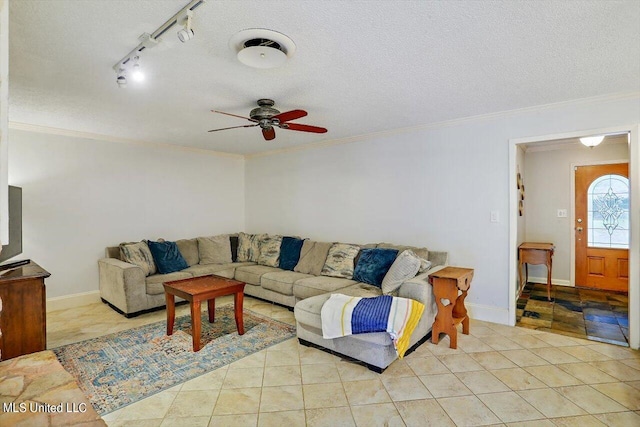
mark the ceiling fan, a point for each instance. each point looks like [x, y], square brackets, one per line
[269, 118]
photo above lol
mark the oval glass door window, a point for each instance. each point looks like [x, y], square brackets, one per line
[608, 210]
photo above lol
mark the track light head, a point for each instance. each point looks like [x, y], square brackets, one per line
[122, 78]
[185, 34]
[137, 73]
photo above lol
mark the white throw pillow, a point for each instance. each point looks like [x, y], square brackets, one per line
[405, 267]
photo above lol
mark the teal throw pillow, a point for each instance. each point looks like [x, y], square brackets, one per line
[373, 265]
[167, 257]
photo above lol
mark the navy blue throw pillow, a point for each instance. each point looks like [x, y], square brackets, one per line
[373, 265]
[290, 252]
[167, 257]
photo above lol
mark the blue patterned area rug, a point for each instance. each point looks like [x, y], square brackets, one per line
[119, 369]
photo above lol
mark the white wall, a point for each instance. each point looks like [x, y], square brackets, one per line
[81, 195]
[434, 186]
[548, 185]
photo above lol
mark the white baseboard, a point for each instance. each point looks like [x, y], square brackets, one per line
[71, 301]
[488, 313]
[543, 280]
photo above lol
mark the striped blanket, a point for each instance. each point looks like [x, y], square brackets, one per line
[344, 315]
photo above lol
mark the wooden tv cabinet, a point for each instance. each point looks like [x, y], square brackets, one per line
[23, 320]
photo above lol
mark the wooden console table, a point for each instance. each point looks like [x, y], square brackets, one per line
[536, 254]
[451, 310]
[23, 320]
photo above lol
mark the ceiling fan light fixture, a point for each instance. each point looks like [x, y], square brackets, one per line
[262, 48]
[591, 141]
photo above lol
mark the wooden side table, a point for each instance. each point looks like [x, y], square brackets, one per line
[451, 310]
[535, 253]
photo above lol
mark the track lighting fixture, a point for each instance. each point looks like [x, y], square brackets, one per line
[122, 78]
[185, 34]
[137, 74]
[130, 61]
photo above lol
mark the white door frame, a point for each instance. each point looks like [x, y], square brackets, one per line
[634, 244]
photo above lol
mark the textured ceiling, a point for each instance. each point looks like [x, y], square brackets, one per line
[360, 66]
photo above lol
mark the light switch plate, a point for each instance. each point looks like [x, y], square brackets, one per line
[562, 213]
[495, 216]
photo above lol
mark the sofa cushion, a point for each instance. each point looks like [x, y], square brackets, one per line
[373, 265]
[311, 286]
[405, 267]
[282, 281]
[189, 250]
[312, 257]
[224, 270]
[249, 247]
[420, 252]
[154, 284]
[339, 261]
[290, 252]
[167, 256]
[138, 254]
[270, 250]
[307, 312]
[215, 249]
[251, 274]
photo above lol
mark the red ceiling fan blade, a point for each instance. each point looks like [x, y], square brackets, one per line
[303, 128]
[233, 127]
[290, 115]
[233, 115]
[269, 133]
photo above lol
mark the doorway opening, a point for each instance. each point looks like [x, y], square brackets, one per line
[550, 213]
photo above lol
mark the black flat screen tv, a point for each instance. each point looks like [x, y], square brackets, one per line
[14, 247]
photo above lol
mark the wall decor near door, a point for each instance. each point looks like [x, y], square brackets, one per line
[521, 194]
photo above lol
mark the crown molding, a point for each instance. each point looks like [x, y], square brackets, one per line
[95, 136]
[453, 122]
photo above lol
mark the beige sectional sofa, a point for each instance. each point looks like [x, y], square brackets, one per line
[129, 290]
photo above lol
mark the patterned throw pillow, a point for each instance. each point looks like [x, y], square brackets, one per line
[138, 254]
[167, 256]
[373, 265]
[249, 247]
[405, 267]
[270, 251]
[339, 261]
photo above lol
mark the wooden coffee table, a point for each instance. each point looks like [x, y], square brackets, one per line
[198, 289]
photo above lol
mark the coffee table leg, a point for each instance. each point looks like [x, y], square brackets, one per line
[195, 324]
[171, 311]
[211, 307]
[238, 298]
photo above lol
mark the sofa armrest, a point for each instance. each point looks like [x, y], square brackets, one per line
[122, 285]
[419, 287]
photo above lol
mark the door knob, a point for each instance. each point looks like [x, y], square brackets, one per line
[579, 229]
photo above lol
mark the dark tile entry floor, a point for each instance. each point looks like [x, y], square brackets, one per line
[582, 313]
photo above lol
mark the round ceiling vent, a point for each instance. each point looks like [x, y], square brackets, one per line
[261, 48]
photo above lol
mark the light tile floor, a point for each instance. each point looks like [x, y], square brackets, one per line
[499, 375]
